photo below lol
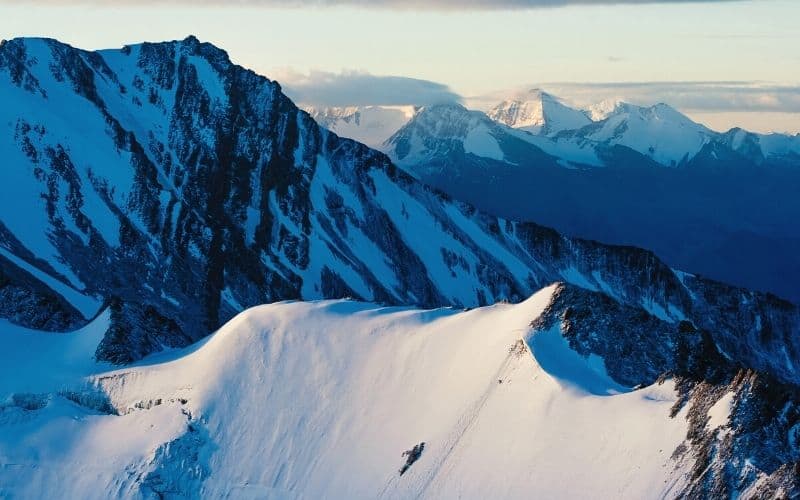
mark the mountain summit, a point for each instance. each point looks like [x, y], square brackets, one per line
[538, 112]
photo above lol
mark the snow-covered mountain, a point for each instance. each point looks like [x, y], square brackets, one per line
[630, 134]
[348, 400]
[444, 130]
[151, 194]
[371, 125]
[450, 135]
[727, 210]
[659, 132]
[538, 112]
[671, 138]
[769, 149]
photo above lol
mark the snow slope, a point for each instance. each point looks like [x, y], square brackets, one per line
[33, 361]
[313, 400]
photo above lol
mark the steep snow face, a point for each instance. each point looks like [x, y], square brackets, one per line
[442, 130]
[659, 132]
[313, 400]
[539, 113]
[371, 125]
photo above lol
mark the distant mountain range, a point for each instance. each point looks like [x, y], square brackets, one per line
[659, 132]
[720, 204]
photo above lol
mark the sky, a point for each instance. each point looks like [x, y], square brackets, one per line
[724, 63]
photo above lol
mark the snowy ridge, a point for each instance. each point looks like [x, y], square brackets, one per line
[441, 129]
[316, 399]
[347, 387]
[764, 148]
[659, 132]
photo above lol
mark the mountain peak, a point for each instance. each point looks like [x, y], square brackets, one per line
[448, 115]
[446, 106]
[661, 110]
[538, 93]
[659, 131]
[191, 40]
[538, 112]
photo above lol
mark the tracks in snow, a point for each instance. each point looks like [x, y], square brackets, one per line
[466, 421]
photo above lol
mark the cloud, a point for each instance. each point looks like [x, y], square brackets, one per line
[382, 4]
[709, 96]
[472, 4]
[358, 88]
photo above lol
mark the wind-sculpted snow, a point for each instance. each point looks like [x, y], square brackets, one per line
[312, 400]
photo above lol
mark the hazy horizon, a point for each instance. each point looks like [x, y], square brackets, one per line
[723, 63]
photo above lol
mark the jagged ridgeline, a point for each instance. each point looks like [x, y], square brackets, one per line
[175, 188]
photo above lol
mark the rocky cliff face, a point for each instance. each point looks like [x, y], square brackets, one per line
[26, 301]
[743, 438]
